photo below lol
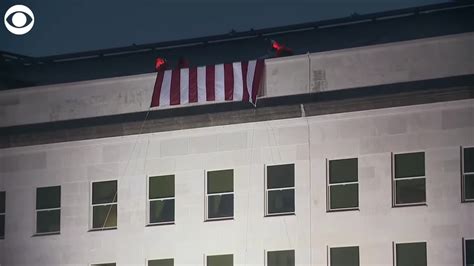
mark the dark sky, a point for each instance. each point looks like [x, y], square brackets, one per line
[66, 26]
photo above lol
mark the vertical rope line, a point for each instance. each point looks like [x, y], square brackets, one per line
[248, 194]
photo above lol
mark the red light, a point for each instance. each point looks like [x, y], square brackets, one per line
[276, 45]
[160, 64]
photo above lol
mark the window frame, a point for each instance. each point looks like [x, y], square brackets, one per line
[394, 249]
[4, 214]
[463, 176]
[206, 197]
[219, 254]
[45, 210]
[328, 248]
[328, 187]
[464, 246]
[394, 179]
[148, 201]
[275, 250]
[91, 208]
[267, 190]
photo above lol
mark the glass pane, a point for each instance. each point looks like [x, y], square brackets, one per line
[410, 191]
[48, 221]
[281, 176]
[410, 164]
[468, 160]
[220, 260]
[344, 196]
[165, 262]
[162, 211]
[104, 264]
[281, 201]
[2, 201]
[48, 197]
[100, 213]
[220, 206]
[343, 171]
[345, 256]
[220, 181]
[411, 254]
[469, 186]
[281, 258]
[104, 192]
[469, 252]
[161, 187]
[2, 226]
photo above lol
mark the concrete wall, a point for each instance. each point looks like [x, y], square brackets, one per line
[364, 66]
[437, 129]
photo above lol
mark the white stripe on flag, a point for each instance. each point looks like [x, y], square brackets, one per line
[201, 84]
[184, 85]
[250, 77]
[238, 83]
[219, 83]
[165, 89]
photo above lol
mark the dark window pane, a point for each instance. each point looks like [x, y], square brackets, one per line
[281, 201]
[48, 197]
[410, 191]
[104, 264]
[220, 260]
[343, 171]
[411, 254]
[2, 226]
[162, 211]
[104, 192]
[281, 176]
[2, 201]
[165, 262]
[281, 258]
[220, 181]
[101, 213]
[344, 196]
[410, 164]
[220, 206]
[469, 160]
[48, 221]
[161, 187]
[346, 256]
[469, 186]
[469, 252]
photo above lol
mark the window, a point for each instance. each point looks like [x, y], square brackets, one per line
[468, 174]
[161, 199]
[48, 210]
[220, 260]
[163, 262]
[2, 214]
[344, 256]
[343, 186]
[280, 189]
[220, 194]
[410, 254]
[104, 205]
[104, 264]
[409, 182]
[281, 258]
[469, 252]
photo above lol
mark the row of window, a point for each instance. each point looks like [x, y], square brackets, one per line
[405, 254]
[409, 188]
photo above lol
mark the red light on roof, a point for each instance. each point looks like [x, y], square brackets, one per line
[160, 64]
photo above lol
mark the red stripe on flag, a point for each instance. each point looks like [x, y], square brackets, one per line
[175, 90]
[256, 80]
[245, 95]
[193, 85]
[228, 82]
[210, 83]
[155, 99]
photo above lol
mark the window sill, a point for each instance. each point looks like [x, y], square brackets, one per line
[467, 201]
[102, 229]
[160, 224]
[219, 219]
[343, 210]
[46, 234]
[280, 214]
[410, 205]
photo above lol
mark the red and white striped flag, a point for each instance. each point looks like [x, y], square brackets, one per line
[238, 81]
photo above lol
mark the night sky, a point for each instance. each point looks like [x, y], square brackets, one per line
[67, 26]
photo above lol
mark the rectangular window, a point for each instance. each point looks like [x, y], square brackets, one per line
[162, 262]
[281, 258]
[104, 204]
[410, 254]
[280, 189]
[343, 184]
[2, 214]
[48, 210]
[344, 256]
[161, 199]
[220, 194]
[409, 182]
[220, 260]
[469, 252]
[104, 264]
[468, 174]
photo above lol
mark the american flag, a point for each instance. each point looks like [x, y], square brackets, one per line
[237, 81]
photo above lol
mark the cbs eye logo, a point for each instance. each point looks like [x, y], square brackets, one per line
[19, 19]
